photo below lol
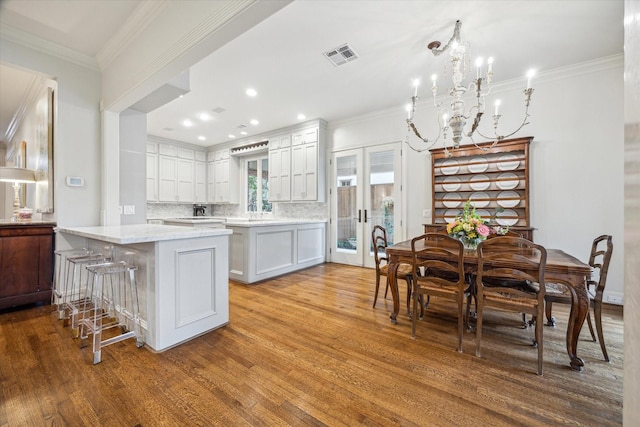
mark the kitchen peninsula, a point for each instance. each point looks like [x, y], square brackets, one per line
[182, 277]
[263, 248]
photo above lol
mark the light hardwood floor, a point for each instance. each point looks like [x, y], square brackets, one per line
[308, 349]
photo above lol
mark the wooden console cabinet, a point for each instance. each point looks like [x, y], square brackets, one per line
[26, 263]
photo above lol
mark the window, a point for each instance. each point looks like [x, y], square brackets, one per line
[258, 185]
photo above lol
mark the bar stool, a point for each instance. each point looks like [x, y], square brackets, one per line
[59, 275]
[75, 284]
[110, 302]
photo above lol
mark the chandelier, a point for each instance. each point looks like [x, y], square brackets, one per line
[454, 117]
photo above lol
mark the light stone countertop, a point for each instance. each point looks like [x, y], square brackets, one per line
[141, 233]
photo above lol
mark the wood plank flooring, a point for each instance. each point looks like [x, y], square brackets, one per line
[308, 349]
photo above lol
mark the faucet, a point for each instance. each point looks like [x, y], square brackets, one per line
[199, 210]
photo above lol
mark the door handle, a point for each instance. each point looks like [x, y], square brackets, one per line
[365, 215]
[359, 215]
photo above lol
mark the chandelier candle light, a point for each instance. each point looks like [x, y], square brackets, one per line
[455, 120]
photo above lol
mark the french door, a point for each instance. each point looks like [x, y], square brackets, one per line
[365, 191]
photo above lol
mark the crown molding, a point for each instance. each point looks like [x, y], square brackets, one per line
[135, 25]
[18, 36]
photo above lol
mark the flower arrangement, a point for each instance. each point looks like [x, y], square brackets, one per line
[469, 227]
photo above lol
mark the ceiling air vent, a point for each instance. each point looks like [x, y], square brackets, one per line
[341, 55]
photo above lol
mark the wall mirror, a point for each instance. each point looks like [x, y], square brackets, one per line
[27, 133]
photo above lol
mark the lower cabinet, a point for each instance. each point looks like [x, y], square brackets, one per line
[26, 264]
[258, 252]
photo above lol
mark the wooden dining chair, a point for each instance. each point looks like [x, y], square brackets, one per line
[436, 252]
[511, 259]
[510, 283]
[379, 239]
[601, 250]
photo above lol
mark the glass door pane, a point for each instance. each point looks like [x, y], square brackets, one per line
[252, 186]
[347, 187]
[381, 192]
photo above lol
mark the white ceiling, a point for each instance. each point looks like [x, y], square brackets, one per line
[282, 56]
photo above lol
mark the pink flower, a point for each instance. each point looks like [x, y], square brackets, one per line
[483, 230]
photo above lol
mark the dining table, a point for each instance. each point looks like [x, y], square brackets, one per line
[560, 268]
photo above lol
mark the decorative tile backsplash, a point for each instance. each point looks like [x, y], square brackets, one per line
[170, 210]
[308, 210]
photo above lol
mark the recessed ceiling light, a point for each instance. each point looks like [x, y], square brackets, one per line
[204, 116]
[202, 138]
[243, 133]
[187, 123]
[301, 116]
[254, 122]
[231, 135]
[251, 92]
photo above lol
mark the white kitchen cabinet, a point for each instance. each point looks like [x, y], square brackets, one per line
[175, 179]
[305, 180]
[280, 169]
[152, 172]
[226, 177]
[176, 174]
[167, 178]
[152, 177]
[185, 185]
[211, 182]
[200, 186]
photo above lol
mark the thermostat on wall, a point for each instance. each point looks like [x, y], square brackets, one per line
[75, 181]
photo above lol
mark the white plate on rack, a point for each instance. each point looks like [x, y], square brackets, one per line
[507, 221]
[484, 214]
[479, 186]
[450, 215]
[479, 203]
[507, 181]
[504, 196]
[449, 167]
[451, 183]
[479, 165]
[508, 162]
[452, 200]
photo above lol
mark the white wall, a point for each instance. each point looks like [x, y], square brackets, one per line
[76, 132]
[576, 178]
[631, 394]
[133, 165]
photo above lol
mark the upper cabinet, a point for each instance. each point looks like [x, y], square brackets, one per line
[296, 166]
[175, 174]
[296, 169]
[200, 177]
[226, 177]
[495, 179]
[152, 172]
[280, 168]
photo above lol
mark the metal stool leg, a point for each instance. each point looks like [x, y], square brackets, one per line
[114, 299]
[59, 277]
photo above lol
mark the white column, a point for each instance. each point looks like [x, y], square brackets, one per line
[109, 212]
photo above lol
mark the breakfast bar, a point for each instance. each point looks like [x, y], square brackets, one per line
[182, 282]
